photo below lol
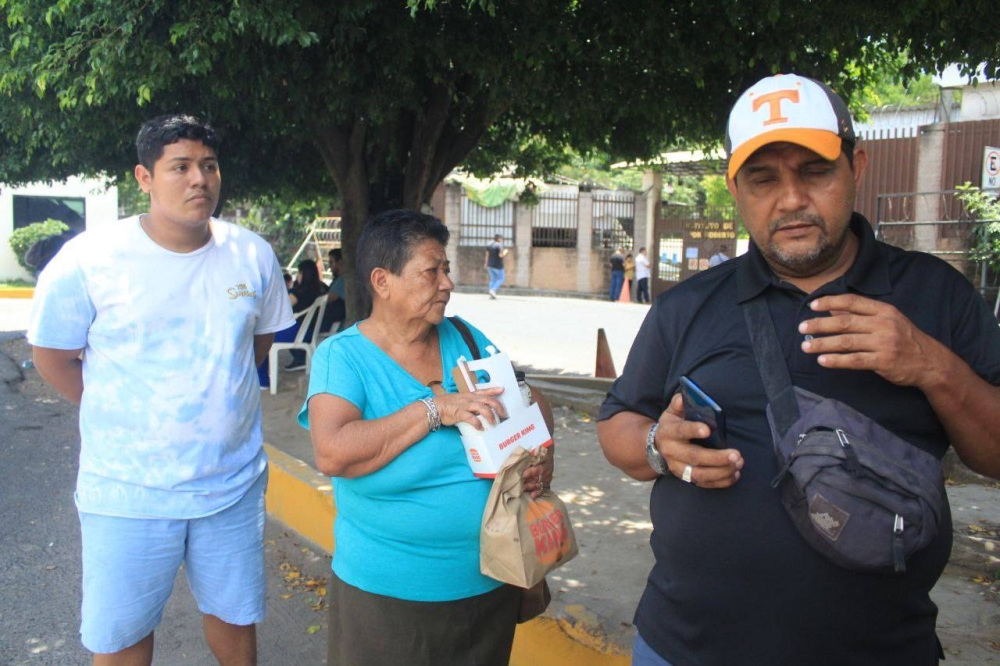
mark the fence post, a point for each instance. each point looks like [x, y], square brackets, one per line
[452, 218]
[930, 154]
[522, 242]
[652, 189]
[584, 235]
[639, 223]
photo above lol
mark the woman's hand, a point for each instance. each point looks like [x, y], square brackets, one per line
[538, 477]
[456, 408]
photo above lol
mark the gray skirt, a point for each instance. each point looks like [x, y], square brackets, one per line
[374, 630]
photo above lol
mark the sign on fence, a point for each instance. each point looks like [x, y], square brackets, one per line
[991, 168]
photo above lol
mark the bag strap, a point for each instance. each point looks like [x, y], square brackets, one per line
[771, 364]
[466, 334]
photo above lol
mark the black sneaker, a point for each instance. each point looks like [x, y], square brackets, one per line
[296, 365]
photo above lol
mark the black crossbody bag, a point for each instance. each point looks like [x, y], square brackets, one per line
[857, 493]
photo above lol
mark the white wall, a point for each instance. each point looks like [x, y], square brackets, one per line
[101, 208]
[981, 102]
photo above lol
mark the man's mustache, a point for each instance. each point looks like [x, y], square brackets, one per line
[797, 218]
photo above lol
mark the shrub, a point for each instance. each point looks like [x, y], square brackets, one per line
[985, 209]
[22, 239]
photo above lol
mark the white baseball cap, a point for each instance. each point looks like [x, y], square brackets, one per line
[790, 108]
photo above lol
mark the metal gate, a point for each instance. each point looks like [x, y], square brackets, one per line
[614, 219]
[478, 224]
[685, 237]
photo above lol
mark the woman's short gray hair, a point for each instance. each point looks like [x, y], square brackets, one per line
[388, 239]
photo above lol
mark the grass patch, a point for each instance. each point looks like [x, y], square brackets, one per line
[16, 284]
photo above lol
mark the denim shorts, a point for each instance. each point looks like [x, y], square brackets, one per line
[129, 567]
[643, 655]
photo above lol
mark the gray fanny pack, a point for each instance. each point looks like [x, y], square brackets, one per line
[858, 494]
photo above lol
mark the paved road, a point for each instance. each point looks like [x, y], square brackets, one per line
[553, 334]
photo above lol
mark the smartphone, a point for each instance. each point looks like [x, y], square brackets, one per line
[698, 406]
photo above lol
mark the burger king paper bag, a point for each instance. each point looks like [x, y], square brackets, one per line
[523, 538]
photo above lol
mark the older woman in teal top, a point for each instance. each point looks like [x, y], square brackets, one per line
[382, 408]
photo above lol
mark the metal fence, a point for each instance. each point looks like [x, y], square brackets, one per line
[479, 224]
[614, 219]
[892, 167]
[899, 216]
[962, 158]
[936, 223]
[555, 220]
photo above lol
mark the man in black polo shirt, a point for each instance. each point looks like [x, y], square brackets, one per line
[899, 336]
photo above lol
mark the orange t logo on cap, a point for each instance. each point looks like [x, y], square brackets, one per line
[773, 101]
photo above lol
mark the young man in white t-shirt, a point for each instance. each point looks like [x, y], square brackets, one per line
[172, 311]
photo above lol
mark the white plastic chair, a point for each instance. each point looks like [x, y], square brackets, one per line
[311, 316]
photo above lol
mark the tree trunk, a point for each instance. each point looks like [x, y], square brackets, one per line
[352, 222]
[395, 165]
[342, 149]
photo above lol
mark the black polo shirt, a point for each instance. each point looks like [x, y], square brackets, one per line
[734, 583]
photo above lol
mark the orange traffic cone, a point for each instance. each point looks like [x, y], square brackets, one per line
[605, 366]
[626, 293]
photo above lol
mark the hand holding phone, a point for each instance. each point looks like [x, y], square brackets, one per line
[698, 406]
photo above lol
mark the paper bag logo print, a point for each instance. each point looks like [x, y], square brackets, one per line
[240, 290]
[548, 531]
[773, 101]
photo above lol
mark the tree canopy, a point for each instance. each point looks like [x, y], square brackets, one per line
[380, 100]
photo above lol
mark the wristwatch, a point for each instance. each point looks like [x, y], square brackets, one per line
[653, 455]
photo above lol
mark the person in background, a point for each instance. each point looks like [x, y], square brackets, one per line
[289, 281]
[719, 257]
[629, 275]
[642, 274]
[616, 263]
[382, 410]
[495, 253]
[336, 310]
[171, 310]
[901, 337]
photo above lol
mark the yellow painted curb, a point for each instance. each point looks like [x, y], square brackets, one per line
[301, 498]
[548, 642]
[17, 292]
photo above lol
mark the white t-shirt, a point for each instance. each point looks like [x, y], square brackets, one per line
[170, 422]
[641, 266]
